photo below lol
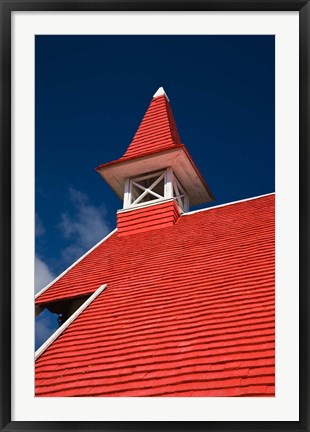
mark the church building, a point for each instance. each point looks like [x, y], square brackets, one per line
[173, 302]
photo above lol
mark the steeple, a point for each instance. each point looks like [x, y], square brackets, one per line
[157, 131]
[156, 168]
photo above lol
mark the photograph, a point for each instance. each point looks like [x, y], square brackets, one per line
[155, 216]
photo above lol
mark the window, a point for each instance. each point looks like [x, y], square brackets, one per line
[152, 187]
[147, 188]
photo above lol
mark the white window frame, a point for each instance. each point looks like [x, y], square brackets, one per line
[149, 190]
[130, 201]
[172, 189]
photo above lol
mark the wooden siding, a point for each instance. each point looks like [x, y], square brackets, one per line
[157, 216]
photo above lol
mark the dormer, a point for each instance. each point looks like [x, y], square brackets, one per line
[156, 178]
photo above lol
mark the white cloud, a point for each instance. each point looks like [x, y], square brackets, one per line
[43, 274]
[85, 228]
[39, 227]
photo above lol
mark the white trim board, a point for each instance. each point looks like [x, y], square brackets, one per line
[227, 204]
[66, 324]
[74, 264]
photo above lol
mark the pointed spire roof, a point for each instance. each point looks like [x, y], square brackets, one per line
[160, 92]
[157, 130]
[157, 145]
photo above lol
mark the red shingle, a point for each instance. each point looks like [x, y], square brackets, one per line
[157, 132]
[145, 219]
[188, 311]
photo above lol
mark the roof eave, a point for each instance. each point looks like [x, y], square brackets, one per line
[115, 172]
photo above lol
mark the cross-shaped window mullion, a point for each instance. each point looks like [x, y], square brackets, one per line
[178, 194]
[152, 185]
[155, 194]
[148, 190]
[138, 185]
[180, 188]
[140, 197]
[176, 190]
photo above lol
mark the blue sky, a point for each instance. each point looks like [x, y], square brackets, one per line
[91, 94]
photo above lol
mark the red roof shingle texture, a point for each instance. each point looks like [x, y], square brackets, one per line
[157, 132]
[188, 311]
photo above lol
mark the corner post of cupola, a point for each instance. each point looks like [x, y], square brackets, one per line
[169, 183]
[127, 197]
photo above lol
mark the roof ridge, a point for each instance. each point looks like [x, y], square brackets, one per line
[227, 204]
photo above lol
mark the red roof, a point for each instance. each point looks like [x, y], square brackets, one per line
[188, 311]
[157, 132]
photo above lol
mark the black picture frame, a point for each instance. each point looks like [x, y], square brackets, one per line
[6, 8]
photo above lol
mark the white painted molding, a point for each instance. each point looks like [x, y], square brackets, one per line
[74, 264]
[161, 92]
[66, 324]
[227, 204]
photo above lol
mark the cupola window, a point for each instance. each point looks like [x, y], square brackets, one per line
[155, 186]
[147, 188]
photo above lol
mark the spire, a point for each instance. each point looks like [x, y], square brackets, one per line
[157, 130]
[156, 166]
[161, 92]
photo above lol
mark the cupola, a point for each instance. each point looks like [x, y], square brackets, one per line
[156, 177]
